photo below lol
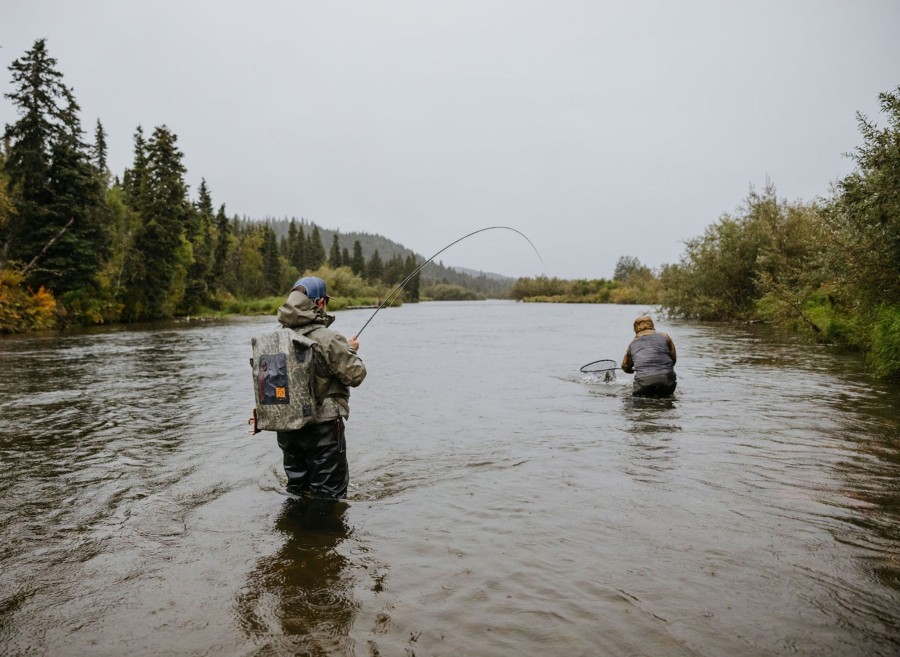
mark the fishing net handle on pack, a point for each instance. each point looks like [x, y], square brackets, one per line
[602, 365]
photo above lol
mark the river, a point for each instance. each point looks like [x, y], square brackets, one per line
[501, 502]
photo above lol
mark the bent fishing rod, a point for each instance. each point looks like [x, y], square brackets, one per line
[393, 295]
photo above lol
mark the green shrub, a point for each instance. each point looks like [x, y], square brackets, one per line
[447, 292]
[884, 353]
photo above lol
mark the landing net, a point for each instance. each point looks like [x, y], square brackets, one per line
[603, 370]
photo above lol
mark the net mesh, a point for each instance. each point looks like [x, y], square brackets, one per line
[603, 370]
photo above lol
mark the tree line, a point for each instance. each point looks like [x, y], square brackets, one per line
[828, 268]
[81, 245]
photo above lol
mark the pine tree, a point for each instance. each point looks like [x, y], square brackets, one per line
[57, 231]
[75, 195]
[412, 287]
[298, 248]
[220, 255]
[394, 270]
[315, 252]
[334, 256]
[271, 265]
[134, 178]
[197, 289]
[375, 267]
[99, 149]
[345, 257]
[164, 211]
[358, 262]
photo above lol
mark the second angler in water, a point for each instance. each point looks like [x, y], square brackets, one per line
[651, 357]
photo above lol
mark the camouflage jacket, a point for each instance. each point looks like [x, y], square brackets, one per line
[338, 367]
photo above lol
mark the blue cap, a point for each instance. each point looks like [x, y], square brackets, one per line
[314, 287]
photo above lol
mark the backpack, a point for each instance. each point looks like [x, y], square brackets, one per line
[283, 365]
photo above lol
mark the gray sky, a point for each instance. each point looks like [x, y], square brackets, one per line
[599, 129]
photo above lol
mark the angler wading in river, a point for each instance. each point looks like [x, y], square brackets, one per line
[651, 358]
[303, 374]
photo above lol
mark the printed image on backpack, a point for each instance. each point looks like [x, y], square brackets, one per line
[273, 379]
[283, 366]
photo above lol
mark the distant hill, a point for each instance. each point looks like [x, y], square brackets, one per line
[489, 284]
[489, 275]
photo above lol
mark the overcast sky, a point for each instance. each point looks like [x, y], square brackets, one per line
[599, 129]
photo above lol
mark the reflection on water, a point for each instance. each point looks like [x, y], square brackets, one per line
[300, 599]
[650, 424]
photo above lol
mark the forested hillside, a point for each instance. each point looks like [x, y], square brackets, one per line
[80, 244]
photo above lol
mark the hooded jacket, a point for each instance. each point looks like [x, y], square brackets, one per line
[338, 367]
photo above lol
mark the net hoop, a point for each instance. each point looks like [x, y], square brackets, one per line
[602, 365]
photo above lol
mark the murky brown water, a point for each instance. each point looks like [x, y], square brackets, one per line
[501, 503]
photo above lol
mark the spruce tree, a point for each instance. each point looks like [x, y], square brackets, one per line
[375, 267]
[298, 249]
[394, 270]
[164, 212]
[271, 265]
[358, 262]
[292, 243]
[334, 256]
[220, 255]
[197, 288]
[134, 178]
[412, 287]
[99, 149]
[345, 257]
[315, 252]
[56, 233]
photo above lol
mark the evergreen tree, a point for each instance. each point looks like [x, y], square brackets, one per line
[197, 289]
[375, 267]
[291, 241]
[315, 253]
[99, 148]
[358, 262]
[297, 248]
[133, 180]
[75, 195]
[412, 287]
[220, 255]
[393, 271]
[345, 257]
[334, 256]
[271, 262]
[56, 232]
[164, 210]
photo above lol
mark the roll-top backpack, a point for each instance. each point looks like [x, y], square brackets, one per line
[283, 365]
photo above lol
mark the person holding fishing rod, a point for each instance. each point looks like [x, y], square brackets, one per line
[651, 358]
[315, 457]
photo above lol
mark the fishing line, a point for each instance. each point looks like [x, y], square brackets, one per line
[409, 277]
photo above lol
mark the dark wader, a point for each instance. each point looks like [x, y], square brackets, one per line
[315, 459]
[654, 385]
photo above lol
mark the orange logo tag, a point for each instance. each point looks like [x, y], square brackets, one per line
[279, 392]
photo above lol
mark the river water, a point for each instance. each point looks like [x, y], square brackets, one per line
[501, 502]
